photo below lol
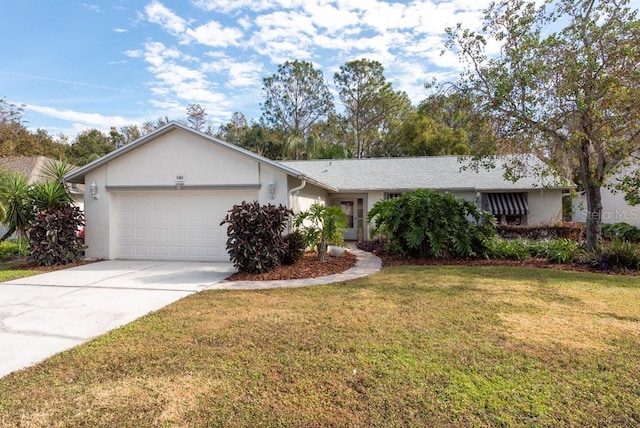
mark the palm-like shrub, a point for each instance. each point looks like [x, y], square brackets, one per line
[16, 204]
[424, 223]
[320, 225]
[49, 194]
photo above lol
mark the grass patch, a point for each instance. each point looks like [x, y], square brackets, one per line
[9, 272]
[411, 346]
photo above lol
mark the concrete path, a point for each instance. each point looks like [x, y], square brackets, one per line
[45, 314]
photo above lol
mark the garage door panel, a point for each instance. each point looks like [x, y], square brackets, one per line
[126, 251]
[176, 225]
[126, 233]
[160, 234]
[141, 216]
[159, 217]
[141, 251]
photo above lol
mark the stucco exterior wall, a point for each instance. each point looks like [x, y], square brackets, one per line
[545, 206]
[268, 175]
[301, 200]
[468, 196]
[98, 214]
[372, 198]
[180, 152]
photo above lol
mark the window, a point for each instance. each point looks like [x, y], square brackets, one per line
[347, 207]
[392, 195]
[509, 208]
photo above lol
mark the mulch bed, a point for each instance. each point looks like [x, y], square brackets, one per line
[307, 267]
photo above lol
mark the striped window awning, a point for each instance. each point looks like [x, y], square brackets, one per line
[506, 203]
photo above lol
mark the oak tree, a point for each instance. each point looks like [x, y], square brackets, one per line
[564, 85]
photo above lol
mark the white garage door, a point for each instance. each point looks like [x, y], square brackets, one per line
[175, 225]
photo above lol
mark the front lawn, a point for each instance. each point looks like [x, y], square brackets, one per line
[411, 346]
[13, 270]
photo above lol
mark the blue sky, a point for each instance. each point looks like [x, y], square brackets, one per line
[79, 65]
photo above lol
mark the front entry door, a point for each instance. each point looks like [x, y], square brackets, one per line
[349, 208]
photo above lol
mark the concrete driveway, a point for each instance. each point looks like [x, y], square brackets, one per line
[46, 314]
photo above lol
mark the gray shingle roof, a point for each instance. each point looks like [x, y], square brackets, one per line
[435, 172]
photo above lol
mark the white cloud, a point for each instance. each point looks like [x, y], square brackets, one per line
[331, 18]
[120, 30]
[284, 36]
[210, 34]
[245, 22]
[214, 34]
[134, 53]
[86, 120]
[158, 13]
[92, 7]
[233, 5]
[239, 74]
[179, 78]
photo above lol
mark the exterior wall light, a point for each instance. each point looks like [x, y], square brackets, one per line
[93, 188]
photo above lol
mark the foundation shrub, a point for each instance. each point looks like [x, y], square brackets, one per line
[255, 243]
[425, 223]
[52, 235]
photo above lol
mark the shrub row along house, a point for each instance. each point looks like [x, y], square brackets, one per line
[164, 195]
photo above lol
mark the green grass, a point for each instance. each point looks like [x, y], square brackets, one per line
[411, 346]
[7, 272]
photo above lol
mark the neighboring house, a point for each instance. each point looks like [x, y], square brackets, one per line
[163, 196]
[34, 167]
[614, 207]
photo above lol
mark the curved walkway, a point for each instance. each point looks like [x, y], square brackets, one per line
[366, 264]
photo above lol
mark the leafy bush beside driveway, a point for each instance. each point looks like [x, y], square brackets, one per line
[255, 243]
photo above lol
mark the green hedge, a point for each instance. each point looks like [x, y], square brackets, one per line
[568, 230]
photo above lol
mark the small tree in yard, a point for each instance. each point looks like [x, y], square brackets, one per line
[320, 225]
[255, 242]
[425, 223]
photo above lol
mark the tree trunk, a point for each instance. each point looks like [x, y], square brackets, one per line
[592, 173]
[594, 217]
[322, 250]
